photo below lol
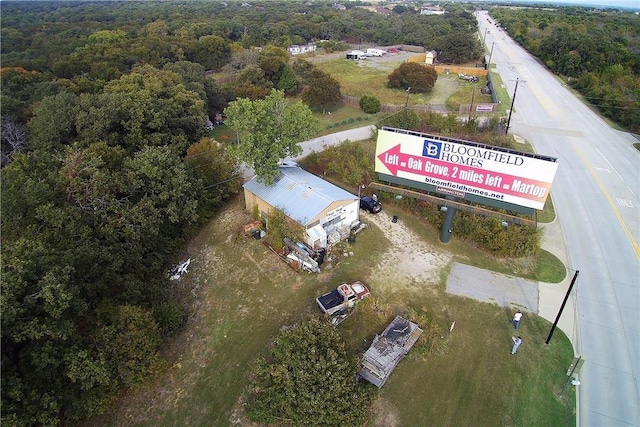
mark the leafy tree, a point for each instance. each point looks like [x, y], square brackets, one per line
[322, 92]
[269, 130]
[146, 107]
[309, 379]
[28, 182]
[370, 104]
[419, 77]
[216, 174]
[129, 338]
[331, 46]
[251, 83]
[458, 47]
[250, 91]
[403, 119]
[212, 52]
[272, 60]
[106, 56]
[53, 123]
[218, 96]
[21, 89]
[288, 81]
[303, 70]
[193, 75]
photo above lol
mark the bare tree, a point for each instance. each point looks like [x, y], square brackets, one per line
[13, 138]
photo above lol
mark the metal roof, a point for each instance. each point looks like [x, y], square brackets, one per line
[299, 194]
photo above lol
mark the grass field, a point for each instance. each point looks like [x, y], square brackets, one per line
[370, 77]
[242, 295]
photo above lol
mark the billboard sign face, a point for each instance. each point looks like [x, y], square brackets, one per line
[457, 168]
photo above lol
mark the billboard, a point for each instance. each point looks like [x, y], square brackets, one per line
[465, 169]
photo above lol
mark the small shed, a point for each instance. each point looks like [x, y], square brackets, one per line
[388, 349]
[322, 208]
[430, 57]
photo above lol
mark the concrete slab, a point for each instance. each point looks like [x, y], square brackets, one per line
[552, 294]
[491, 287]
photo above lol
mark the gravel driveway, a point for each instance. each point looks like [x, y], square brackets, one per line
[410, 262]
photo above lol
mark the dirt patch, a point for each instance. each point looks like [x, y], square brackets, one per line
[384, 414]
[410, 263]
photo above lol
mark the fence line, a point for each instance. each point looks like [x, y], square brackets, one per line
[354, 101]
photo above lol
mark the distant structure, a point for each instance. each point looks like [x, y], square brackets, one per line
[295, 49]
[431, 10]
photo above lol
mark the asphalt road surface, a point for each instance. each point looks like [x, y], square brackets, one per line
[595, 193]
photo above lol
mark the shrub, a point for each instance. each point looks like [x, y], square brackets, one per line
[421, 78]
[370, 104]
[170, 318]
[280, 226]
[309, 379]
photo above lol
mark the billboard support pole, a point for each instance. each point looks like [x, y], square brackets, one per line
[447, 226]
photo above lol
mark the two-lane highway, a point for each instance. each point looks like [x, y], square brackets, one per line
[595, 194]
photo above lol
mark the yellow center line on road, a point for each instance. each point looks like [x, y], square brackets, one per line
[610, 200]
[548, 103]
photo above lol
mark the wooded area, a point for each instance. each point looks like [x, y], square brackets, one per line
[598, 53]
[107, 168]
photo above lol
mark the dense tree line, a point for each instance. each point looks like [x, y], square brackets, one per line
[598, 53]
[92, 216]
[107, 168]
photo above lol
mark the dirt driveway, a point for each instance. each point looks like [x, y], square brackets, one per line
[410, 263]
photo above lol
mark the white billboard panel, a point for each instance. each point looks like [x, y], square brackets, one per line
[461, 167]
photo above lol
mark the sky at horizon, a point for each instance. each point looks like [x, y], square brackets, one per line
[629, 4]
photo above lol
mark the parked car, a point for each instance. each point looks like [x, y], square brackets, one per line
[369, 204]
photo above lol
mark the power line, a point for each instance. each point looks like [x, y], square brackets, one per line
[222, 182]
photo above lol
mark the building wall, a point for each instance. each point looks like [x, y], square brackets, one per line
[346, 210]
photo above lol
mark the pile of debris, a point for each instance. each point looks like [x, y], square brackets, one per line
[472, 79]
[388, 349]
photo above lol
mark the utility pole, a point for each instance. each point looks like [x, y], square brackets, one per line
[473, 92]
[513, 100]
[566, 297]
[490, 55]
[406, 102]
